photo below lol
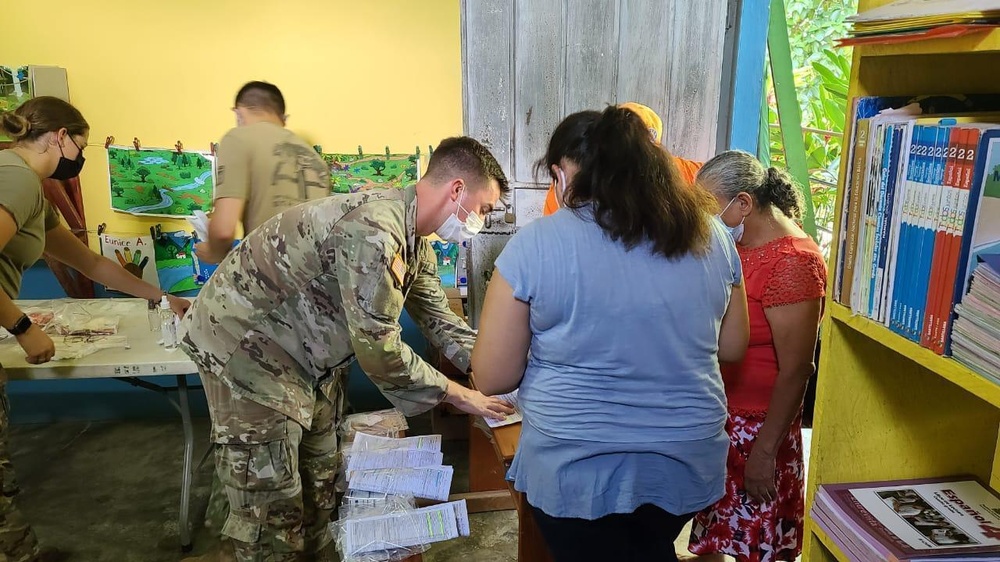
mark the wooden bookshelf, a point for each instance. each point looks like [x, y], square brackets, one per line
[946, 367]
[887, 408]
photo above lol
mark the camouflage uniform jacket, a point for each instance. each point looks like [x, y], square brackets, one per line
[324, 283]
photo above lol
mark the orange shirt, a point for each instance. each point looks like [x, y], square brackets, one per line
[688, 169]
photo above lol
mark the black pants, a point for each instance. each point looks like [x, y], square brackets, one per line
[646, 535]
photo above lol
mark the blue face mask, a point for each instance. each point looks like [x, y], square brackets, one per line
[735, 231]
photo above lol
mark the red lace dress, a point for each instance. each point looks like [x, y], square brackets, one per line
[784, 271]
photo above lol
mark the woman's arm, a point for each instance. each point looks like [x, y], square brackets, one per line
[37, 345]
[62, 245]
[501, 351]
[794, 329]
[734, 334]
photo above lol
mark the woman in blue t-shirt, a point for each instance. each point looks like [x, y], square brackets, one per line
[611, 317]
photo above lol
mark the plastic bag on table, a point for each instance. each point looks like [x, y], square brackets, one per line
[357, 503]
[78, 347]
[87, 318]
[387, 423]
[40, 316]
[387, 532]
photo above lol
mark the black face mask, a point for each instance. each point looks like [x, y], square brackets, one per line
[66, 168]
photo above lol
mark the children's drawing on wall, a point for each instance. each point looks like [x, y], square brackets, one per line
[447, 260]
[178, 267]
[135, 253]
[175, 261]
[160, 182]
[15, 87]
[350, 173]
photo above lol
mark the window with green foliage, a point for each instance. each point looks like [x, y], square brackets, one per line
[821, 76]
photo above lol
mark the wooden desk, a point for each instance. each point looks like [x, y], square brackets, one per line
[487, 486]
[530, 544]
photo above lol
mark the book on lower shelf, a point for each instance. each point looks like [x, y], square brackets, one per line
[976, 330]
[932, 520]
[921, 204]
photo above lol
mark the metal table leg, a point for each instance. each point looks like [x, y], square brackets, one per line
[182, 406]
[185, 525]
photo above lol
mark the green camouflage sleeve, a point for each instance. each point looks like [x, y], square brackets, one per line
[428, 306]
[373, 301]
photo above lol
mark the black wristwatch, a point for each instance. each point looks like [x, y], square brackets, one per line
[22, 325]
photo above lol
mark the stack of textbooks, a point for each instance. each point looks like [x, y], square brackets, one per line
[908, 20]
[911, 520]
[921, 204]
[977, 327]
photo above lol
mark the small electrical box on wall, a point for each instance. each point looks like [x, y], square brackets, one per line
[49, 81]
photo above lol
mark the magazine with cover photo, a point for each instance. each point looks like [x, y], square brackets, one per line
[925, 518]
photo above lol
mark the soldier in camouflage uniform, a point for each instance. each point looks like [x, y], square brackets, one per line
[276, 327]
[262, 169]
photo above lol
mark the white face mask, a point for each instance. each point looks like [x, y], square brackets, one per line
[735, 231]
[455, 230]
[561, 188]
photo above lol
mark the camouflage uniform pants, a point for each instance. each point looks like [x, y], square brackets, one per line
[279, 477]
[17, 540]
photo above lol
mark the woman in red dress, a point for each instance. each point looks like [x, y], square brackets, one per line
[760, 517]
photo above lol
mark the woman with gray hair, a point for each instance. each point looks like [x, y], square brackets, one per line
[760, 517]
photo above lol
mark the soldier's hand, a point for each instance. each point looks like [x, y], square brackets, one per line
[178, 305]
[475, 402]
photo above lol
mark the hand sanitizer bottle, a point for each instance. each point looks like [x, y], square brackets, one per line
[168, 327]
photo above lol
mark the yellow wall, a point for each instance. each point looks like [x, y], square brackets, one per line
[369, 72]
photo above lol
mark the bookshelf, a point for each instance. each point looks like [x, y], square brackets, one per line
[887, 408]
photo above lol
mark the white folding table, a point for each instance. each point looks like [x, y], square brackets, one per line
[144, 358]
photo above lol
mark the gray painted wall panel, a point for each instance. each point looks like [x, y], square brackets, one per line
[697, 36]
[529, 63]
[539, 67]
[487, 61]
[644, 45]
[591, 54]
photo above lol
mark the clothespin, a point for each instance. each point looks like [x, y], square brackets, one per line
[318, 149]
[214, 147]
[361, 152]
[101, 228]
[155, 232]
[179, 146]
[387, 152]
[430, 150]
[418, 150]
[109, 141]
[135, 143]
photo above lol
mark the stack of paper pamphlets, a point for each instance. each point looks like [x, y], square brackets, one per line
[937, 520]
[976, 331]
[379, 518]
[510, 398]
[908, 20]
